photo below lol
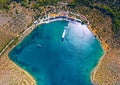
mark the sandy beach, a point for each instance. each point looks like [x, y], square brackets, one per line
[8, 67]
[18, 17]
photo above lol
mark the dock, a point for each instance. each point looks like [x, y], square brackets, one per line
[64, 32]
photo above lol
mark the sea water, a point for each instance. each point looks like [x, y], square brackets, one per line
[54, 62]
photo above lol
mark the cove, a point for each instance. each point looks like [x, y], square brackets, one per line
[54, 62]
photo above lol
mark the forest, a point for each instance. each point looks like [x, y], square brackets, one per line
[107, 7]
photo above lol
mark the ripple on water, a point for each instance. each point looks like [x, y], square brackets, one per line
[58, 63]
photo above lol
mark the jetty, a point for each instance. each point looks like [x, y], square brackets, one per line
[64, 32]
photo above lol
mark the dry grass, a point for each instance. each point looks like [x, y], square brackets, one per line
[11, 25]
[5, 37]
[108, 70]
[10, 74]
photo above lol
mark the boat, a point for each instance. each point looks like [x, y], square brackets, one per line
[63, 35]
[39, 45]
[62, 39]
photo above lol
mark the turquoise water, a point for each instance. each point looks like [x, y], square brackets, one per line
[53, 62]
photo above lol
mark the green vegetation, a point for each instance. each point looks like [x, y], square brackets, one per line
[47, 2]
[44, 3]
[4, 4]
[72, 4]
[113, 13]
[108, 7]
[24, 3]
[16, 11]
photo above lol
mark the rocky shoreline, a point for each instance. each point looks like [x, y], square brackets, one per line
[105, 73]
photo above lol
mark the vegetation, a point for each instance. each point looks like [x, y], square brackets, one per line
[47, 2]
[108, 7]
[4, 4]
[16, 11]
[87, 7]
[113, 13]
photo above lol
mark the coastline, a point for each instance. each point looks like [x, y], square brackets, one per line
[31, 28]
[9, 70]
[89, 75]
[95, 69]
[28, 31]
[8, 49]
[23, 76]
[105, 48]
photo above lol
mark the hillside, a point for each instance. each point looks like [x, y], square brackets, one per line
[17, 15]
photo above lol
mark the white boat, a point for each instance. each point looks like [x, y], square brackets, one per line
[39, 45]
[64, 32]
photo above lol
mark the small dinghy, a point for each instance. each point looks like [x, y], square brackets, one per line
[39, 45]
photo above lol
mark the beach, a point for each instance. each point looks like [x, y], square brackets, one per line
[19, 18]
[39, 63]
[26, 32]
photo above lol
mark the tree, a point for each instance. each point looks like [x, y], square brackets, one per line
[16, 11]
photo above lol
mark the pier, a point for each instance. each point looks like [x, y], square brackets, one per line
[64, 32]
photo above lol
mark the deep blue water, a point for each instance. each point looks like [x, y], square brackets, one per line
[58, 63]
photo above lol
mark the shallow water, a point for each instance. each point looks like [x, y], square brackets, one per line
[53, 62]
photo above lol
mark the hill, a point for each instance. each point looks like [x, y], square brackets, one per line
[17, 15]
